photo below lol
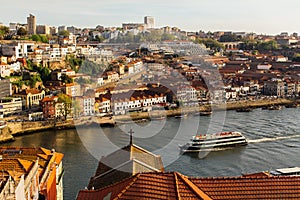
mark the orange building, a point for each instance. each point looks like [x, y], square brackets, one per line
[30, 173]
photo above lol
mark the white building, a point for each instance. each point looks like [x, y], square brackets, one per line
[149, 21]
[122, 106]
[88, 106]
[264, 66]
[186, 95]
[10, 105]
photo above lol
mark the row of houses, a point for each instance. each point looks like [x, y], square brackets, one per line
[121, 101]
[52, 52]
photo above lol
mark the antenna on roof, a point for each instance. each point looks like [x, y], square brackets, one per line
[130, 132]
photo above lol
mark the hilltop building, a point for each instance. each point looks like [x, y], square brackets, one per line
[149, 21]
[31, 24]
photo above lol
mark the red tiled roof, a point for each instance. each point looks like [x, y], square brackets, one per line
[260, 187]
[147, 186]
[47, 99]
[177, 186]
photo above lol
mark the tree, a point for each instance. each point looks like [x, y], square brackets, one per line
[100, 38]
[296, 57]
[77, 108]
[33, 80]
[64, 103]
[21, 31]
[36, 38]
[269, 45]
[229, 38]
[39, 38]
[74, 62]
[167, 36]
[64, 33]
[91, 68]
[211, 43]
[66, 79]
[4, 30]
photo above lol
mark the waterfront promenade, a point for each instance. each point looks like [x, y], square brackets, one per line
[26, 127]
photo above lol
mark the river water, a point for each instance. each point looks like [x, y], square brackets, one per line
[274, 142]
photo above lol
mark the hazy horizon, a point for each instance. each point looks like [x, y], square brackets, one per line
[261, 17]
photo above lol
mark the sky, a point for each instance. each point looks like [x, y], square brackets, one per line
[259, 16]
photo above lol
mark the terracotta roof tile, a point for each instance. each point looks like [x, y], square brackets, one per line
[260, 187]
[58, 157]
[176, 186]
[26, 164]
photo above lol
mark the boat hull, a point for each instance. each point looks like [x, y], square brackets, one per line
[214, 142]
[195, 149]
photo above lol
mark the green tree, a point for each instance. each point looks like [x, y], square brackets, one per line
[211, 43]
[4, 30]
[296, 57]
[29, 65]
[269, 45]
[66, 79]
[64, 105]
[33, 80]
[100, 38]
[44, 72]
[77, 108]
[64, 33]
[21, 31]
[36, 38]
[91, 68]
[167, 36]
[74, 62]
[39, 38]
[229, 38]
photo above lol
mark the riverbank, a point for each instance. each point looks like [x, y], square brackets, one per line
[15, 129]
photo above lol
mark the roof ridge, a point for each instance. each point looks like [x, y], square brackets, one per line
[193, 187]
[26, 164]
[134, 179]
[146, 151]
[176, 186]
[46, 151]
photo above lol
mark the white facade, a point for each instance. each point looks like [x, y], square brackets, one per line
[10, 105]
[104, 106]
[264, 66]
[149, 21]
[22, 49]
[186, 94]
[100, 81]
[88, 106]
[4, 70]
[123, 106]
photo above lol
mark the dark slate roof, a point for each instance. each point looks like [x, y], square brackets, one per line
[124, 163]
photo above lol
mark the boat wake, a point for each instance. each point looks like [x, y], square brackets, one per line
[273, 139]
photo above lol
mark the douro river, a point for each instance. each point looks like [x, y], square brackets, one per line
[273, 135]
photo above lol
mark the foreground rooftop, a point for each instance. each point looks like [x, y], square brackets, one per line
[173, 185]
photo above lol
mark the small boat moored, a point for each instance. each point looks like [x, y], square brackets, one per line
[275, 107]
[290, 171]
[245, 109]
[181, 116]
